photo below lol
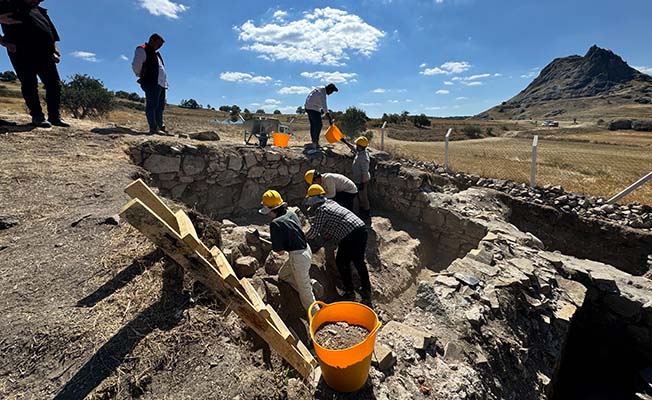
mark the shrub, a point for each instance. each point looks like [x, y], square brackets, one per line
[352, 122]
[421, 121]
[84, 96]
[260, 111]
[191, 104]
[8, 76]
[300, 110]
[277, 112]
[472, 131]
[225, 108]
[490, 131]
[235, 112]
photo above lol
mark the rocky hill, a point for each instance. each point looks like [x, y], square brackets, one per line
[577, 85]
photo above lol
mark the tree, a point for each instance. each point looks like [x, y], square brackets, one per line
[277, 112]
[352, 121]
[260, 111]
[225, 108]
[190, 103]
[247, 115]
[421, 121]
[84, 96]
[8, 76]
[404, 116]
[300, 110]
[235, 113]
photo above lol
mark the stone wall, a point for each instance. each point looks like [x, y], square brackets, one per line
[227, 180]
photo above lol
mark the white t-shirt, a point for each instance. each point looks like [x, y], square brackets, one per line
[316, 100]
[335, 183]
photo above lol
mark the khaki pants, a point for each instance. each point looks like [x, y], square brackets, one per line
[297, 274]
[363, 196]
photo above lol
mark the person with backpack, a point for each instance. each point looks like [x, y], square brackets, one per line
[149, 68]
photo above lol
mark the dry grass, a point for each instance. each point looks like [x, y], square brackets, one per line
[590, 168]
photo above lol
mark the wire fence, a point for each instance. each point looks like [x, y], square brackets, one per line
[596, 169]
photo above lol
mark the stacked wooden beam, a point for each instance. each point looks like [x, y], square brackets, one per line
[175, 234]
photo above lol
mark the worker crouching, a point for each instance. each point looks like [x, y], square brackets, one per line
[338, 187]
[287, 236]
[335, 223]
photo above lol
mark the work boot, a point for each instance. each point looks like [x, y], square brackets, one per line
[40, 122]
[59, 122]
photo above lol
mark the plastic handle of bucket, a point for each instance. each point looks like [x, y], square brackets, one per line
[312, 307]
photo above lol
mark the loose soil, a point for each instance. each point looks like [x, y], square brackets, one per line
[340, 335]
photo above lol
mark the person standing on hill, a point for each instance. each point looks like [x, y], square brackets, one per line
[149, 67]
[315, 107]
[31, 39]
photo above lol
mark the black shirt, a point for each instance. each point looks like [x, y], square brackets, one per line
[286, 233]
[35, 33]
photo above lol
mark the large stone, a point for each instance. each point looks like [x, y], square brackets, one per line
[245, 267]
[642, 125]
[250, 196]
[205, 136]
[7, 221]
[427, 298]
[618, 124]
[384, 358]
[158, 164]
[235, 162]
[193, 165]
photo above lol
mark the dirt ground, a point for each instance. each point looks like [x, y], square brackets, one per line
[91, 308]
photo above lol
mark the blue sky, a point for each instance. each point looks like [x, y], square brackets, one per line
[438, 57]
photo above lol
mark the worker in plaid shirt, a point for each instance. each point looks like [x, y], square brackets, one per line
[335, 223]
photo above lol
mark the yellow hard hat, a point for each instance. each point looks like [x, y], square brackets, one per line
[362, 141]
[315, 190]
[271, 201]
[310, 176]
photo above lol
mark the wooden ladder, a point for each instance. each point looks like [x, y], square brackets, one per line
[175, 234]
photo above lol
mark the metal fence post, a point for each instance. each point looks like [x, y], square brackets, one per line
[630, 189]
[382, 136]
[533, 168]
[448, 135]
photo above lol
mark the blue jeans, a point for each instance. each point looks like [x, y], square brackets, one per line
[315, 124]
[154, 106]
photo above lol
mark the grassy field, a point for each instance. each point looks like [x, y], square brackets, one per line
[599, 169]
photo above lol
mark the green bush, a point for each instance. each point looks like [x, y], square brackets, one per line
[277, 112]
[421, 121]
[191, 104]
[352, 121]
[8, 76]
[84, 96]
[473, 131]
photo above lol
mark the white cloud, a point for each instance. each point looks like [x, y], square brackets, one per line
[370, 104]
[439, 1]
[331, 77]
[279, 15]
[645, 70]
[448, 68]
[165, 8]
[533, 73]
[448, 83]
[244, 77]
[393, 101]
[294, 90]
[472, 83]
[325, 36]
[461, 98]
[442, 92]
[423, 65]
[124, 58]
[379, 90]
[497, 74]
[435, 108]
[85, 55]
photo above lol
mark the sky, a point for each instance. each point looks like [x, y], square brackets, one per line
[437, 57]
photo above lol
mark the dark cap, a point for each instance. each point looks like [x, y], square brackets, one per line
[331, 87]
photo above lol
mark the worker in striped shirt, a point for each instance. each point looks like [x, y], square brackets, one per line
[335, 223]
[338, 187]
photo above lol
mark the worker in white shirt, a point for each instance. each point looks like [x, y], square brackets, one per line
[338, 187]
[316, 106]
[149, 67]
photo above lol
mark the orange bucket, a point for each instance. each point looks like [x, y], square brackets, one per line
[345, 370]
[281, 139]
[334, 134]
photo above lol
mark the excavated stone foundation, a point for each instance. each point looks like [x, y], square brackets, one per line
[474, 306]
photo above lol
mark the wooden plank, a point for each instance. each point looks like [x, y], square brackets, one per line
[280, 326]
[185, 225]
[192, 242]
[168, 240]
[139, 190]
[252, 296]
[224, 267]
